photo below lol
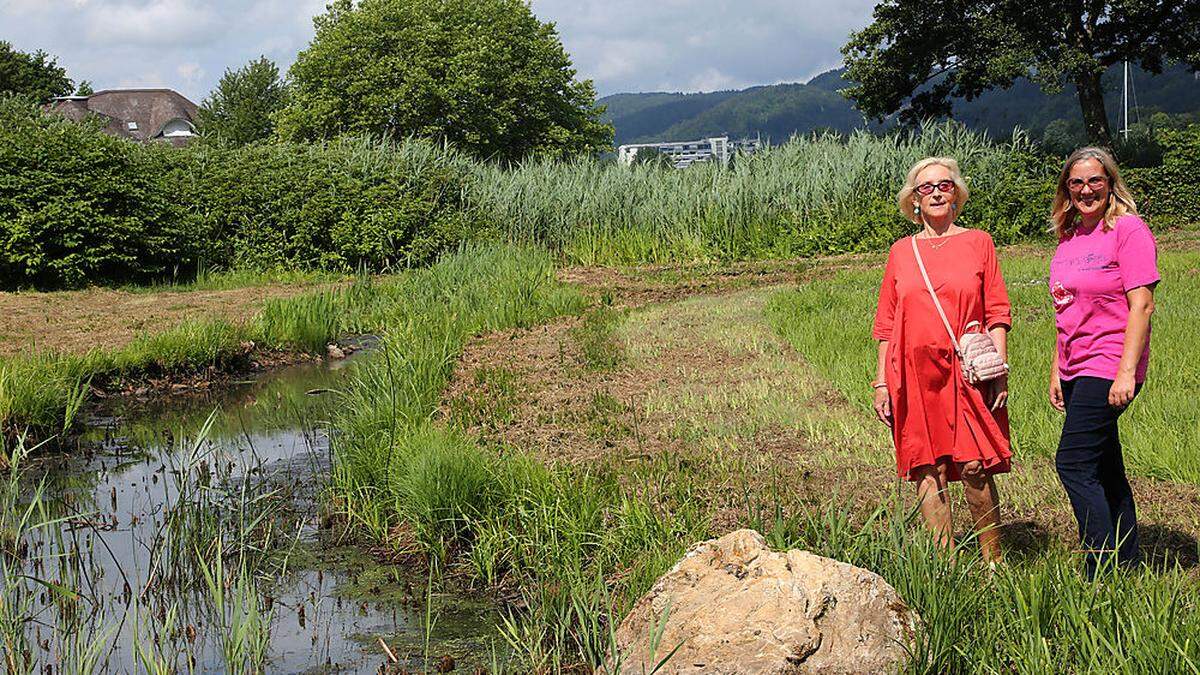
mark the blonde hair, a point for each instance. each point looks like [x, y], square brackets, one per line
[904, 199]
[1063, 214]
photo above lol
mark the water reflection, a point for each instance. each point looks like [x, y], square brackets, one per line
[181, 555]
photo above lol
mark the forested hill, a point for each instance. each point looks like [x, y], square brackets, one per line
[777, 111]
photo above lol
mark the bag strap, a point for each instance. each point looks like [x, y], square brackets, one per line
[936, 303]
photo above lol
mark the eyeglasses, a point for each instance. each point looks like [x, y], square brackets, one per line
[944, 186]
[1096, 183]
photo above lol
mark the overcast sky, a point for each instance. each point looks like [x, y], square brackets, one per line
[623, 45]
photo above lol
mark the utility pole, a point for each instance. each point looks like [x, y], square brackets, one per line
[1125, 102]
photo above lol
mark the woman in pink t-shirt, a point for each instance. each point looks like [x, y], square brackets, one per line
[1102, 281]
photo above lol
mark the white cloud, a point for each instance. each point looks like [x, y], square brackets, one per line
[624, 45]
[182, 44]
[700, 45]
[712, 79]
[191, 72]
[622, 58]
[147, 79]
[155, 24]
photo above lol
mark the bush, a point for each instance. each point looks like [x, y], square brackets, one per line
[1017, 205]
[342, 205]
[80, 207]
[77, 205]
[1169, 195]
[1140, 148]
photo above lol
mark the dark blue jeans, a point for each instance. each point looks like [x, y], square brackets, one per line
[1092, 470]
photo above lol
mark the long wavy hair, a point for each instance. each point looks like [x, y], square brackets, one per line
[1063, 214]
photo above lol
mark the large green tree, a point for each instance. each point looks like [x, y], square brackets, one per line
[918, 54]
[484, 75]
[241, 109]
[37, 75]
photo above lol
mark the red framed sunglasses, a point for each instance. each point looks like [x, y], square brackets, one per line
[944, 186]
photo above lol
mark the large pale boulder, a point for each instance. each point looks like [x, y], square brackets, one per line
[734, 606]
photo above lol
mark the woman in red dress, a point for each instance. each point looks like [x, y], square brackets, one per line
[944, 429]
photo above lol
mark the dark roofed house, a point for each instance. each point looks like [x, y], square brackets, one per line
[139, 114]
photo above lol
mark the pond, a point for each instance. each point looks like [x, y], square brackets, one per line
[184, 535]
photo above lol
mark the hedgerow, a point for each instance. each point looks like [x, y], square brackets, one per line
[1169, 194]
[79, 207]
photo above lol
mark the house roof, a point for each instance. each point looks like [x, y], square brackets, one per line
[149, 109]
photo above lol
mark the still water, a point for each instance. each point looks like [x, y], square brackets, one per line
[184, 535]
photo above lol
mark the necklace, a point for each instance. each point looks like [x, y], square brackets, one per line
[945, 239]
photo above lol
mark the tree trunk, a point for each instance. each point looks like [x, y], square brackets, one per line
[1091, 102]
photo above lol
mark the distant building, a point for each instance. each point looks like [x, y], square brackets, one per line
[143, 115]
[686, 153]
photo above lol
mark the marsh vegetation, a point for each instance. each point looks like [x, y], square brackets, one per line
[553, 447]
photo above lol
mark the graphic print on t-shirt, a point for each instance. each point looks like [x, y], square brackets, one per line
[1062, 297]
[1091, 262]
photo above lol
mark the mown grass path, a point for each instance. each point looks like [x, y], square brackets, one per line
[77, 322]
[707, 402]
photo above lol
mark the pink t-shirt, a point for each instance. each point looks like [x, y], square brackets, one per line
[1089, 276]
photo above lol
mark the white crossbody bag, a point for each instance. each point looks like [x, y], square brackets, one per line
[976, 352]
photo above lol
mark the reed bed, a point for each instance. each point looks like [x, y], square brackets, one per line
[214, 563]
[814, 194]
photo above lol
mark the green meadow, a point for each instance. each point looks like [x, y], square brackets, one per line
[1161, 430]
[740, 405]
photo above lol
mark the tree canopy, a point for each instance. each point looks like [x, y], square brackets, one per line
[917, 55]
[241, 109]
[37, 75]
[484, 75]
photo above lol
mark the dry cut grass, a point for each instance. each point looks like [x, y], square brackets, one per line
[76, 322]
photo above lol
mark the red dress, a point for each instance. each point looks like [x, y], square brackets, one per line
[936, 415]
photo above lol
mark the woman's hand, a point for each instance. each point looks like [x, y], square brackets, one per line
[998, 392]
[883, 406]
[1121, 393]
[1056, 395]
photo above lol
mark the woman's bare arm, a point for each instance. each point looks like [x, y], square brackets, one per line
[883, 402]
[1137, 331]
[1056, 395]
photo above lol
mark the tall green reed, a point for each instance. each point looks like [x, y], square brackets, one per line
[821, 193]
[238, 612]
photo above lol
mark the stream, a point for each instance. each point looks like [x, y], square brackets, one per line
[165, 499]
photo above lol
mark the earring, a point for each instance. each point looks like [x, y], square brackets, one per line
[917, 210]
[954, 207]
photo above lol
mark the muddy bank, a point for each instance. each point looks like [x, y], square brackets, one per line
[152, 389]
